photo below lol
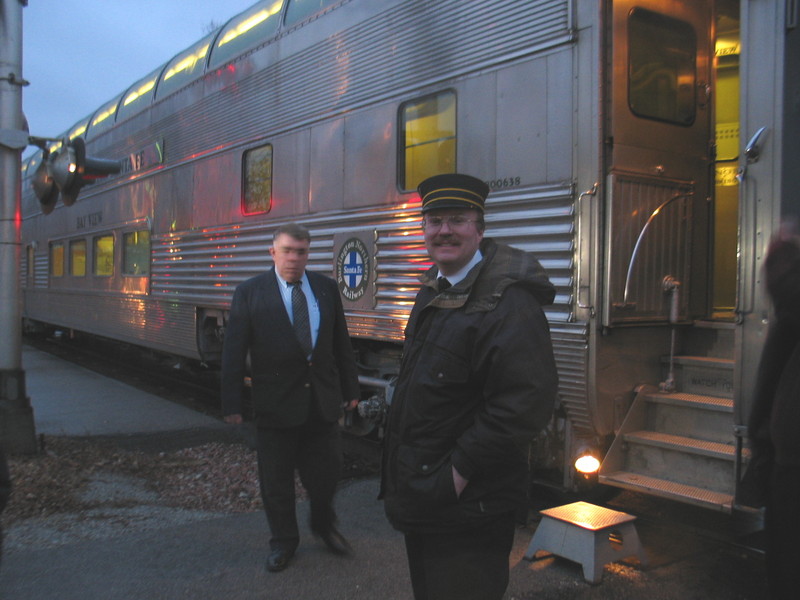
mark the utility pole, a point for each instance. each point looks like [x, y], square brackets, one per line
[17, 432]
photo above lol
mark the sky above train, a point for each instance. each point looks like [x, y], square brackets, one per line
[78, 54]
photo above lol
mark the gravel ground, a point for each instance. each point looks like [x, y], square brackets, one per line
[84, 489]
[90, 488]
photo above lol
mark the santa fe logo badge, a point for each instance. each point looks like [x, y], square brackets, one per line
[352, 269]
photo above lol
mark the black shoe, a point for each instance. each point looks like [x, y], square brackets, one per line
[278, 560]
[335, 541]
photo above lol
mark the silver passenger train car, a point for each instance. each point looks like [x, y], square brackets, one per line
[636, 147]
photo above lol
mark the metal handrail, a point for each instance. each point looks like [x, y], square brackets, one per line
[641, 236]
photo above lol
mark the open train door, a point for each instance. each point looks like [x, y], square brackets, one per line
[657, 159]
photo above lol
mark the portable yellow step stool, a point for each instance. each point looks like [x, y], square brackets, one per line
[587, 534]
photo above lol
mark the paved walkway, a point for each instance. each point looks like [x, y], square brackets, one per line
[217, 556]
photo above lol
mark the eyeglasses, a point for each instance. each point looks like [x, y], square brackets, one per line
[455, 222]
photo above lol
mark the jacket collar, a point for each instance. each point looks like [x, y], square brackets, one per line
[482, 288]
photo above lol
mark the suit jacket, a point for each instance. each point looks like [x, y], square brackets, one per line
[286, 384]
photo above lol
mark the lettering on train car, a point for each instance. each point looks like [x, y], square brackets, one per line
[353, 269]
[145, 158]
[91, 220]
[504, 182]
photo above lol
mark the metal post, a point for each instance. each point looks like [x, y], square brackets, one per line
[17, 433]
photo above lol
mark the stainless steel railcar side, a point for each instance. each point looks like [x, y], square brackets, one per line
[608, 130]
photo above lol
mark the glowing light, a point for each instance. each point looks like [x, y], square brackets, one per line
[251, 22]
[587, 464]
[143, 89]
[79, 130]
[109, 112]
[188, 63]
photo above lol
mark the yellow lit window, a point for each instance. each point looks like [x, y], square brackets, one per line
[428, 138]
[104, 255]
[79, 129]
[138, 96]
[255, 25]
[77, 258]
[185, 67]
[57, 259]
[103, 119]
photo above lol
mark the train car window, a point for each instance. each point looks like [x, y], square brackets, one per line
[104, 255]
[78, 129]
[57, 259]
[29, 166]
[136, 253]
[185, 67]
[661, 67]
[246, 30]
[77, 258]
[103, 119]
[138, 96]
[427, 138]
[299, 10]
[257, 184]
[30, 262]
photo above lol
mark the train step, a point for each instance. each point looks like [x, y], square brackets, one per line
[706, 417]
[703, 375]
[682, 444]
[681, 459]
[678, 445]
[689, 494]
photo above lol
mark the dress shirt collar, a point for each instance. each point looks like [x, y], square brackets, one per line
[458, 277]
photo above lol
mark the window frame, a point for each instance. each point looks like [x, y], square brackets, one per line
[403, 147]
[72, 244]
[666, 26]
[125, 253]
[244, 206]
[51, 251]
[96, 254]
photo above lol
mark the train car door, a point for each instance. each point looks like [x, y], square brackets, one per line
[657, 159]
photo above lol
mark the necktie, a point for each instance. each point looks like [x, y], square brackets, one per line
[443, 284]
[301, 323]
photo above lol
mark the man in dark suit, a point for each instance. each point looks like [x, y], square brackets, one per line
[292, 323]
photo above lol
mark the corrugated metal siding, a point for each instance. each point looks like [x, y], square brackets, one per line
[415, 43]
[203, 267]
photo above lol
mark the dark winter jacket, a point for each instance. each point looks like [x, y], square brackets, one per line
[774, 425]
[478, 380]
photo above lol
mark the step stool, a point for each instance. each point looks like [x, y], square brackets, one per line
[587, 534]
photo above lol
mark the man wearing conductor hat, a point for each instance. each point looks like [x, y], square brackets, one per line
[477, 381]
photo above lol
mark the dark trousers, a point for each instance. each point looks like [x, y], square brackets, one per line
[468, 565]
[782, 527]
[315, 451]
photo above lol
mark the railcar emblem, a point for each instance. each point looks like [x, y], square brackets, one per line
[353, 269]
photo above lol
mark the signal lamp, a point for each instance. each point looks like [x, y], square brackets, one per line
[44, 187]
[71, 169]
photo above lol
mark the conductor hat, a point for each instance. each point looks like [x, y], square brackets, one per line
[452, 190]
